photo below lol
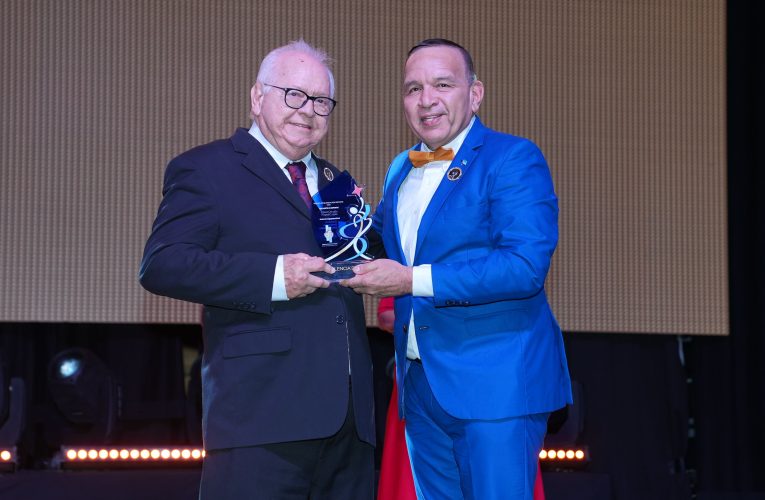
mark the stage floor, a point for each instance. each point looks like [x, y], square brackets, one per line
[182, 484]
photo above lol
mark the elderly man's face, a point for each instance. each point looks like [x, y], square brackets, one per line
[439, 101]
[294, 132]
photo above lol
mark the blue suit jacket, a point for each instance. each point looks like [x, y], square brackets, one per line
[272, 371]
[490, 345]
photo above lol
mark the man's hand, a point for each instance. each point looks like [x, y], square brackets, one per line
[381, 278]
[298, 279]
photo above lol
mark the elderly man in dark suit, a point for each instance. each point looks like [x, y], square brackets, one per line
[286, 372]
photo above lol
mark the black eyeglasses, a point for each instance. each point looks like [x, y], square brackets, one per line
[296, 99]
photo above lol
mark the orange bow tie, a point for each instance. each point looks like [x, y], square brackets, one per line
[420, 158]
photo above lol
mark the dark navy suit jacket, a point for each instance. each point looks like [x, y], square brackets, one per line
[271, 371]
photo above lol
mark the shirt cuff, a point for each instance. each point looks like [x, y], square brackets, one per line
[279, 290]
[422, 281]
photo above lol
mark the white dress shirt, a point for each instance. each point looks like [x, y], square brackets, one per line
[279, 289]
[414, 196]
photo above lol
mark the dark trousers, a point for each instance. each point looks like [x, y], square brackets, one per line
[340, 467]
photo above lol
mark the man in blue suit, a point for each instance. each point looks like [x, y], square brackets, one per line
[286, 371]
[469, 222]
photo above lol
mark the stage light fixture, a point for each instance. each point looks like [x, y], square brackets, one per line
[565, 457]
[85, 393]
[120, 458]
[8, 459]
[562, 448]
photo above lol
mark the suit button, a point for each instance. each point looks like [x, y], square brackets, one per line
[340, 319]
[405, 328]
[423, 327]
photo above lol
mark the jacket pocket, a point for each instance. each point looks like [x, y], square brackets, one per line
[265, 341]
[509, 320]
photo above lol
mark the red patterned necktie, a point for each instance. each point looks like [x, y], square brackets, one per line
[297, 174]
[420, 158]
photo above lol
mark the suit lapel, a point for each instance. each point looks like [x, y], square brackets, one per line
[395, 185]
[326, 172]
[257, 160]
[463, 160]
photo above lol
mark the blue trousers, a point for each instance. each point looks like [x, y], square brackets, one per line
[468, 459]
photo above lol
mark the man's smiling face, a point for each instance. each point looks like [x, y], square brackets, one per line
[294, 132]
[440, 97]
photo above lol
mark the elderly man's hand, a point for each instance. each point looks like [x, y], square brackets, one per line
[298, 279]
[381, 278]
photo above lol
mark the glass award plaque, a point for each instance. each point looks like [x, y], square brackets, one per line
[340, 220]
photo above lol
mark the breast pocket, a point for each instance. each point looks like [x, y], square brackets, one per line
[264, 341]
[460, 206]
[463, 226]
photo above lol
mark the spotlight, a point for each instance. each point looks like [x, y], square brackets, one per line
[8, 459]
[85, 392]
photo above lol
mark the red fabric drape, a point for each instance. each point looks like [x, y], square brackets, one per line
[395, 473]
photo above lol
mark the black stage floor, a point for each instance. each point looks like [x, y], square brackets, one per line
[182, 484]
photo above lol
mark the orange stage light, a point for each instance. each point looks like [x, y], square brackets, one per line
[120, 457]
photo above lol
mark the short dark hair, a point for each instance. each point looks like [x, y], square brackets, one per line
[440, 42]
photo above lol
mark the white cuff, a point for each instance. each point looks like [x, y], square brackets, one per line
[279, 290]
[422, 281]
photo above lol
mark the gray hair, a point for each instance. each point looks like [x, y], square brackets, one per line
[269, 62]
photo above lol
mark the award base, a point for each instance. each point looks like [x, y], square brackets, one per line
[343, 270]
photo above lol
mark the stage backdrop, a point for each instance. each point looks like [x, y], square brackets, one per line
[626, 99]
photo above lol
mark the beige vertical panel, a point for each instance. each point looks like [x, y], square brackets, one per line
[626, 99]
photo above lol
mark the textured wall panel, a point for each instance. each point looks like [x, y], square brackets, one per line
[626, 99]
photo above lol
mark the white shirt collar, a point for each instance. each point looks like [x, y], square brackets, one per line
[278, 157]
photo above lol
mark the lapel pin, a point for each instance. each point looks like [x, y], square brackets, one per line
[328, 174]
[454, 173]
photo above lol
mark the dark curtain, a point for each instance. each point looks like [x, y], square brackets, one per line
[634, 399]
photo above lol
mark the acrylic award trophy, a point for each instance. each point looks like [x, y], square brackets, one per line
[340, 221]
